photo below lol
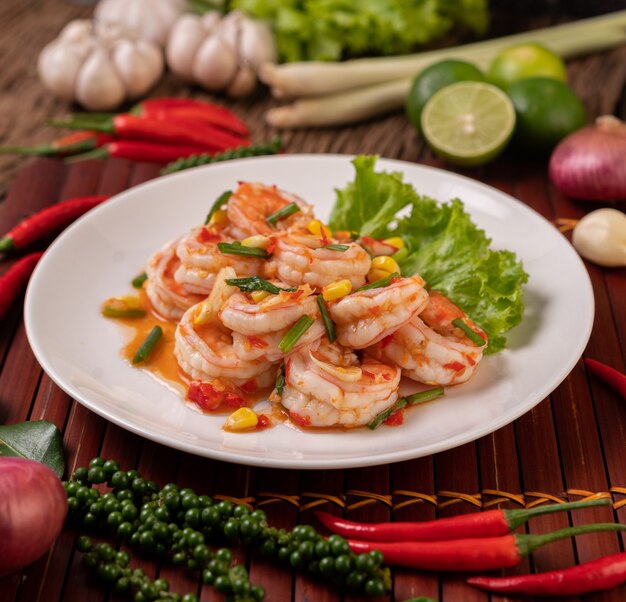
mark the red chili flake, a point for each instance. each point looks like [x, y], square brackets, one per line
[367, 373]
[470, 359]
[257, 342]
[300, 420]
[386, 340]
[206, 236]
[396, 419]
[287, 367]
[249, 387]
[272, 246]
[368, 240]
[234, 401]
[456, 366]
[296, 294]
[205, 395]
[263, 422]
[394, 280]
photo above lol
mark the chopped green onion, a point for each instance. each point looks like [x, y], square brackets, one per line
[383, 282]
[471, 334]
[328, 323]
[217, 204]
[380, 418]
[132, 312]
[256, 283]
[280, 380]
[138, 281]
[411, 400]
[236, 248]
[400, 255]
[286, 211]
[342, 248]
[294, 334]
[147, 347]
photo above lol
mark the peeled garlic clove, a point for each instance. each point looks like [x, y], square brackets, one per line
[98, 85]
[244, 83]
[185, 38]
[215, 64]
[600, 237]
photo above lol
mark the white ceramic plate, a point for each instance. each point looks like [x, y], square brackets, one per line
[98, 255]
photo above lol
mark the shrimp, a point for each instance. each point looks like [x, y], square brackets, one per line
[365, 317]
[430, 349]
[301, 259]
[258, 328]
[200, 260]
[167, 296]
[250, 205]
[331, 387]
[205, 351]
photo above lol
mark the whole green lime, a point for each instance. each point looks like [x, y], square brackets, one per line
[547, 110]
[522, 61]
[432, 79]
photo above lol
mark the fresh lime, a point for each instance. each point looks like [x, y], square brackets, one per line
[432, 79]
[468, 123]
[523, 61]
[547, 111]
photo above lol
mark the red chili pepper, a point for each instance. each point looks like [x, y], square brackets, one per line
[194, 110]
[596, 575]
[138, 150]
[471, 554]
[263, 422]
[609, 375]
[170, 131]
[77, 142]
[48, 220]
[14, 279]
[490, 523]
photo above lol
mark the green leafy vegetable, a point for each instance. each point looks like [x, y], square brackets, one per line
[444, 246]
[38, 440]
[250, 284]
[328, 30]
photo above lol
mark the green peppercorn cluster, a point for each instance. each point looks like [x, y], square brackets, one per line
[177, 524]
[256, 150]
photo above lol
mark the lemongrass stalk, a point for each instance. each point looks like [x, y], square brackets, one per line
[315, 78]
[342, 108]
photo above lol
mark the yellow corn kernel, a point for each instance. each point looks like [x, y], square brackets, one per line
[385, 263]
[395, 241]
[258, 241]
[319, 229]
[336, 290]
[258, 296]
[374, 275]
[219, 217]
[241, 420]
[203, 314]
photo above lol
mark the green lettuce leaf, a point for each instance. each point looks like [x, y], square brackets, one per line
[445, 246]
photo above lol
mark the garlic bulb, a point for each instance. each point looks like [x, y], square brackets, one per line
[149, 19]
[220, 53]
[99, 66]
[600, 236]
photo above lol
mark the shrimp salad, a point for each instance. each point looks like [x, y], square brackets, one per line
[271, 304]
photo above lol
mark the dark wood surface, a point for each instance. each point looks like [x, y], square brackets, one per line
[570, 446]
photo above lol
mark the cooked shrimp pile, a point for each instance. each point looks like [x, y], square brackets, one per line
[265, 295]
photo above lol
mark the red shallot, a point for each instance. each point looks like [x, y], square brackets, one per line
[33, 506]
[590, 163]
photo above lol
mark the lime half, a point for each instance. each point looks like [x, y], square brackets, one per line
[468, 123]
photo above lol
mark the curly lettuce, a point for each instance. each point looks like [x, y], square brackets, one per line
[445, 247]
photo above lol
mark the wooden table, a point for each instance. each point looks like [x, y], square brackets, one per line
[568, 447]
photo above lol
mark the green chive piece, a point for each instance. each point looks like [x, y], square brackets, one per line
[219, 201]
[329, 325]
[342, 248]
[256, 283]
[280, 380]
[380, 418]
[236, 248]
[471, 335]
[423, 396]
[294, 334]
[400, 255]
[147, 347]
[286, 211]
[112, 312]
[138, 281]
[382, 283]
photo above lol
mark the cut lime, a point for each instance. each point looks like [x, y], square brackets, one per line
[468, 123]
